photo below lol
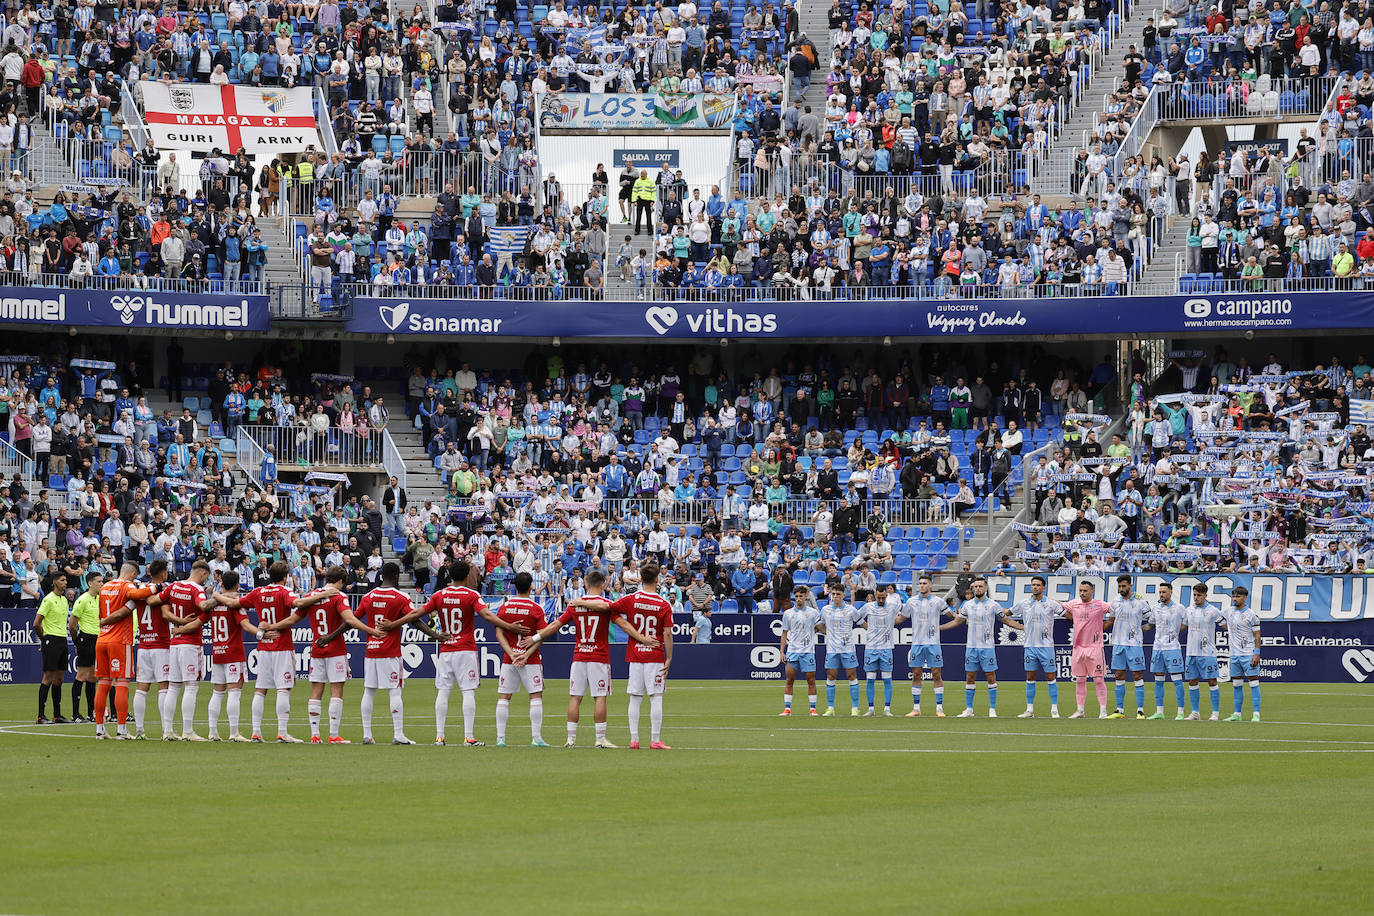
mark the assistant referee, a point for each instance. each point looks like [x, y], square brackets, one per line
[50, 625]
[85, 629]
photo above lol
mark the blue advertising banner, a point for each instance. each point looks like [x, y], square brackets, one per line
[133, 309]
[1296, 652]
[903, 317]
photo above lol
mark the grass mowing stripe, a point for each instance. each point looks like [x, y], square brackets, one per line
[1258, 817]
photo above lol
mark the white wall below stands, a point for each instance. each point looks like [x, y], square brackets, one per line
[573, 158]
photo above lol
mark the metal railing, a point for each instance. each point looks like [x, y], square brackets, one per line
[302, 447]
[136, 281]
[94, 159]
[1221, 99]
[990, 176]
[1189, 282]
[801, 512]
[392, 460]
[15, 463]
[248, 454]
[132, 116]
[775, 291]
[1141, 127]
[405, 174]
[331, 144]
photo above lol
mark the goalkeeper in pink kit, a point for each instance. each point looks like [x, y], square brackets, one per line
[1088, 614]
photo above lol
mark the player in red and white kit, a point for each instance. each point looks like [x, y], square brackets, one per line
[228, 661]
[187, 602]
[457, 607]
[529, 674]
[591, 666]
[277, 609]
[387, 609]
[154, 620]
[651, 614]
[329, 657]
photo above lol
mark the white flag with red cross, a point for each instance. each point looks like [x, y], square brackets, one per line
[203, 118]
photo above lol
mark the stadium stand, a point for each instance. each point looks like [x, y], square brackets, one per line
[868, 476]
[1250, 469]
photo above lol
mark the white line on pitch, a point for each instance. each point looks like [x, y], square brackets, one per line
[935, 750]
[1047, 734]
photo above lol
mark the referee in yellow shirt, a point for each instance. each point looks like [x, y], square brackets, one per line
[85, 628]
[50, 625]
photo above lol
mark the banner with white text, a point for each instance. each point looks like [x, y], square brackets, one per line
[751, 313]
[266, 119]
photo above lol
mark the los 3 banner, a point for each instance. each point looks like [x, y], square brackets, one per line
[132, 309]
[603, 111]
[714, 315]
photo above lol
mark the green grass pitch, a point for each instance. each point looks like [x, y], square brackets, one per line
[748, 813]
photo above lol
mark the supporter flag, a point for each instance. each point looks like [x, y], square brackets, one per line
[507, 241]
[228, 118]
[1362, 411]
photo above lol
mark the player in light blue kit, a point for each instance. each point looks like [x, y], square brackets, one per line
[981, 614]
[1201, 621]
[1166, 617]
[1037, 617]
[1128, 647]
[799, 625]
[839, 619]
[880, 616]
[1243, 633]
[924, 610]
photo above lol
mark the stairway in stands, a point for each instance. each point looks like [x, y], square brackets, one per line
[423, 484]
[813, 21]
[1058, 175]
[49, 167]
[616, 288]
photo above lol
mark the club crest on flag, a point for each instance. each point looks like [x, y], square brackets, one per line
[675, 107]
[182, 98]
[274, 101]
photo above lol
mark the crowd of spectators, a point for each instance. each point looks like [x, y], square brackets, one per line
[728, 481]
[863, 475]
[1258, 236]
[1246, 469]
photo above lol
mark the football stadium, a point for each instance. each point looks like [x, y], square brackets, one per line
[891, 454]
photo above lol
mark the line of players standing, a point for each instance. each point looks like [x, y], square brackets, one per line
[151, 633]
[1127, 615]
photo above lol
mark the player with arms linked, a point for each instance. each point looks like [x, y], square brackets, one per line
[800, 624]
[1037, 615]
[1166, 660]
[529, 674]
[926, 657]
[981, 614]
[591, 617]
[1128, 649]
[652, 615]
